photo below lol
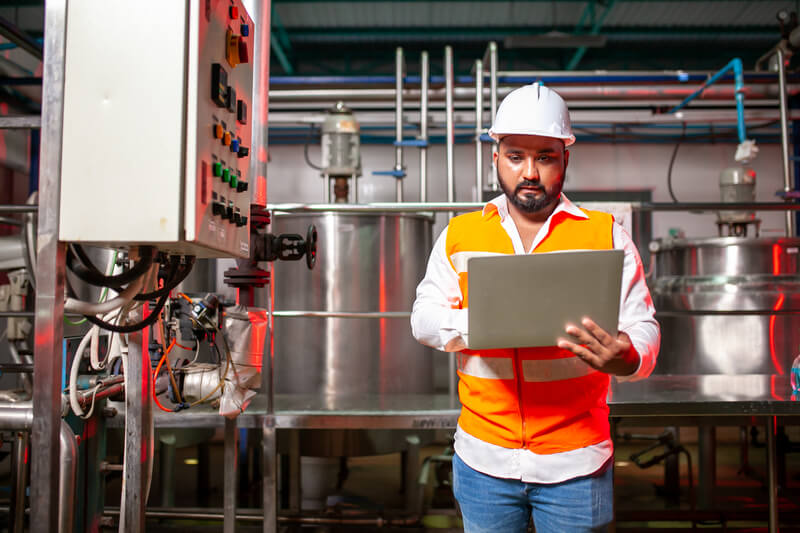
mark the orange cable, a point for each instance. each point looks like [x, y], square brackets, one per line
[155, 374]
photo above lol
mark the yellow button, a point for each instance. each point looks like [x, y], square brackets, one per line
[218, 131]
[226, 139]
[232, 48]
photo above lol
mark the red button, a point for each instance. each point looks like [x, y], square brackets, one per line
[234, 12]
[244, 57]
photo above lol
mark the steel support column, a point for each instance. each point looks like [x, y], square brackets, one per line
[46, 430]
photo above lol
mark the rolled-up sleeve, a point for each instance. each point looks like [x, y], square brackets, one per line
[637, 313]
[435, 316]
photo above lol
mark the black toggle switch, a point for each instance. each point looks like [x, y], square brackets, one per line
[218, 209]
[241, 111]
[231, 99]
[244, 151]
[228, 213]
[241, 186]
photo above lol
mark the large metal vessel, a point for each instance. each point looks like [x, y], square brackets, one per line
[725, 305]
[366, 263]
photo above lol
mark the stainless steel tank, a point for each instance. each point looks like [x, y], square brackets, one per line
[366, 263]
[725, 305]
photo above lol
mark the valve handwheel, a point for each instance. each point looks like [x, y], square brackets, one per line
[311, 246]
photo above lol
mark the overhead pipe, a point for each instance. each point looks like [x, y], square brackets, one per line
[590, 91]
[791, 230]
[450, 120]
[424, 65]
[738, 77]
[478, 129]
[398, 124]
[493, 183]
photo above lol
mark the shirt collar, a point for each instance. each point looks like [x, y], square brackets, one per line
[499, 205]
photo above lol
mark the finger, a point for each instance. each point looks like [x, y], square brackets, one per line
[586, 355]
[584, 337]
[599, 333]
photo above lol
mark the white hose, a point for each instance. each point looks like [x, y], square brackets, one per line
[73, 371]
[97, 308]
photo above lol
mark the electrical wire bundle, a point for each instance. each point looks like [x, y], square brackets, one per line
[200, 315]
[152, 277]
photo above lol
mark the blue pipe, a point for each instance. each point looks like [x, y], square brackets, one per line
[738, 77]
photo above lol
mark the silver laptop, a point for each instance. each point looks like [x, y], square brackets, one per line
[518, 301]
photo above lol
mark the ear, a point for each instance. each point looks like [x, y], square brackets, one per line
[566, 159]
[495, 155]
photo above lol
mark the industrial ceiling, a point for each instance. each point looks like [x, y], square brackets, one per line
[337, 37]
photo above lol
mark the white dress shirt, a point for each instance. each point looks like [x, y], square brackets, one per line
[435, 322]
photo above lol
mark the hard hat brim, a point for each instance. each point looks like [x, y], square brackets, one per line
[568, 141]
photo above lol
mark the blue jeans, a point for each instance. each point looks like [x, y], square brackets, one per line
[495, 505]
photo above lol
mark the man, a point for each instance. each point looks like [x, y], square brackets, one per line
[529, 445]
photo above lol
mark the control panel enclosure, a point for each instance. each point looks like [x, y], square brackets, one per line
[156, 140]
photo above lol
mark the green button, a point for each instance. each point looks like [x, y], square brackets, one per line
[217, 169]
[234, 181]
[226, 175]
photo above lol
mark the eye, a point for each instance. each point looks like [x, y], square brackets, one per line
[544, 158]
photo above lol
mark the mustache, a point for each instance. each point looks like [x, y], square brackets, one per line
[529, 183]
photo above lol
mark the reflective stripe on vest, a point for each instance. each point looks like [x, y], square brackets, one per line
[486, 367]
[536, 371]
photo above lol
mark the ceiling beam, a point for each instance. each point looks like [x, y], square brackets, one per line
[598, 23]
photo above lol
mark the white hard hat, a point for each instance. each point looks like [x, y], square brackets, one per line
[533, 110]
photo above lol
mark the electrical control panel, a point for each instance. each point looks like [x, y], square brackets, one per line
[157, 128]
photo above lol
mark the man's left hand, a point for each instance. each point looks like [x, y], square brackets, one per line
[601, 350]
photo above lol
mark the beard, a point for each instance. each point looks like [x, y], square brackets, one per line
[527, 200]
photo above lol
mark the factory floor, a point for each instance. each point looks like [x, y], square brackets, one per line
[373, 488]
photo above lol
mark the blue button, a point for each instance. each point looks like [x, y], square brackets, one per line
[235, 145]
[245, 30]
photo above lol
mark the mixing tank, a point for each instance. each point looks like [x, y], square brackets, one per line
[726, 305]
[366, 263]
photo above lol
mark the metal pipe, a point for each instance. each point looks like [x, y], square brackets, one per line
[424, 65]
[49, 323]
[261, 53]
[138, 439]
[16, 416]
[448, 73]
[791, 230]
[398, 121]
[251, 515]
[478, 130]
[19, 481]
[231, 468]
[13, 209]
[772, 477]
[707, 466]
[493, 183]
[20, 38]
[25, 380]
[269, 481]
[335, 314]
[24, 122]
[414, 207]
[451, 184]
[66, 478]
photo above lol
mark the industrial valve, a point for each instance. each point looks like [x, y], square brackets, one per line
[291, 247]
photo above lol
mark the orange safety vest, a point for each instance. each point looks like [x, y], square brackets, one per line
[544, 399]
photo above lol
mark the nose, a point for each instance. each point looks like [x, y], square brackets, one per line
[529, 170]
